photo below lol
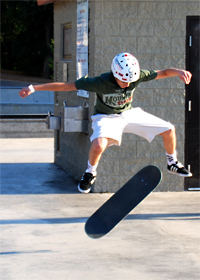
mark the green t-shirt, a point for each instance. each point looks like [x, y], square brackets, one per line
[111, 98]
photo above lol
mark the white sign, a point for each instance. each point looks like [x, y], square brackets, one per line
[82, 43]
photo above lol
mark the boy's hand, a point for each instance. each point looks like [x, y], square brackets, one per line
[24, 92]
[185, 76]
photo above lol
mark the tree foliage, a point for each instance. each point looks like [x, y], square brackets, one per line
[26, 36]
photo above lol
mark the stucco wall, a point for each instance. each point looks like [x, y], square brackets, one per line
[154, 31]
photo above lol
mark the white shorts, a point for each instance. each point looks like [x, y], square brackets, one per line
[134, 121]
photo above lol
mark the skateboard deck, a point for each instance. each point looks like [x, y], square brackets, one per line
[123, 201]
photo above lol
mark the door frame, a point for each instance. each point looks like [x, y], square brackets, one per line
[188, 104]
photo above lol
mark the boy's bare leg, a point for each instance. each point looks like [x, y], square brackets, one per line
[169, 141]
[96, 150]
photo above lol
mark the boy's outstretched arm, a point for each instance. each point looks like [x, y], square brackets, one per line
[184, 75]
[50, 86]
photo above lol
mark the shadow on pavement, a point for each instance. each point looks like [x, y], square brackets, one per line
[71, 220]
[25, 252]
[170, 216]
[35, 178]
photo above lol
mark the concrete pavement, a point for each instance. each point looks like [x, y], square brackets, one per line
[42, 219]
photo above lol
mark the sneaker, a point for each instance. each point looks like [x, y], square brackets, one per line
[85, 184]
[178, 169]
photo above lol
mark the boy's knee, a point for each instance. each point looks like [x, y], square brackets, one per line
[172, 130]
[169, 132]
[99, 144]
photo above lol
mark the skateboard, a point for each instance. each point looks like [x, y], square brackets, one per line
[123, 201]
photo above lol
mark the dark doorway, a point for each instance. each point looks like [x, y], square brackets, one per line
[192, 108]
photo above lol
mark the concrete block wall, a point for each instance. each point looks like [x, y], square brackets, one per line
[154, 31]
[73, 152]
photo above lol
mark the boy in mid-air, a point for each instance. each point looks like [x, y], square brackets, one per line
[114, 114]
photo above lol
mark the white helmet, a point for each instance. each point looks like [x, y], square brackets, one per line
[125, 67]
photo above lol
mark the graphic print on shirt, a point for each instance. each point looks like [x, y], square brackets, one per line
[118, 99]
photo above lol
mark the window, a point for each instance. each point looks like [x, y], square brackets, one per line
[67, 41]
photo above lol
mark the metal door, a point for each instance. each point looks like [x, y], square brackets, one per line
[192, 108]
